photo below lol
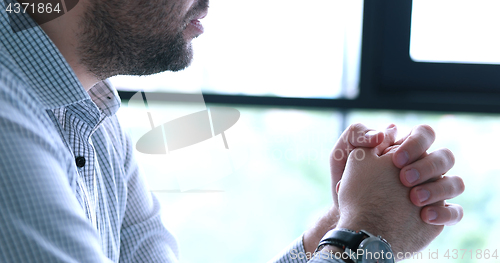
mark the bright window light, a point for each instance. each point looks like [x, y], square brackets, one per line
[455, 31]
[271, 48]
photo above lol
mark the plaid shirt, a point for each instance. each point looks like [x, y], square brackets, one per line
[70, 189]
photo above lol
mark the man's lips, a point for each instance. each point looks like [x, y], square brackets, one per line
[195, 22]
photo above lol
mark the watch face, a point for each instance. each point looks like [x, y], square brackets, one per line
[375, 250]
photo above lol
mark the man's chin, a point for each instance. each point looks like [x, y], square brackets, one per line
[178, 68]
[166, 62]
[181, 64]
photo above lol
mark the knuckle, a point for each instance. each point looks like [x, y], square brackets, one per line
[444, 165]
[356, 127]
[449, 156]
[441, 190]
[433, 166]
[416, 144]
[439, 165]
[428, 130]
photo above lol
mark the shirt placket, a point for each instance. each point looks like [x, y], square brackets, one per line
[87, 179]
[79, 122]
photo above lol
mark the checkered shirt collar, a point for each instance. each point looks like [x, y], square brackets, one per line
[46, 70]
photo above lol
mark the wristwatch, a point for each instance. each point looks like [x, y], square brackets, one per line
[361, 247]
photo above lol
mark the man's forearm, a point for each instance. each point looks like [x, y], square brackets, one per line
[325, 224]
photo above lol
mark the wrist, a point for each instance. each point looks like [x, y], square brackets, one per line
[354, 246]
[358, 223]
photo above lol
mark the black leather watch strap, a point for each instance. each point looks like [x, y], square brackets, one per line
[342, 238]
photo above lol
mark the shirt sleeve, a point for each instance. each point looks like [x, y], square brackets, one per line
[144, 238]
[40, 217]
[295, 253]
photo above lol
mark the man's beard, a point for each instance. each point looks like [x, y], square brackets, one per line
[115, 41]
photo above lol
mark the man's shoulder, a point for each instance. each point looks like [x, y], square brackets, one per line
[26, 129]
[13, 85]
[20, 109]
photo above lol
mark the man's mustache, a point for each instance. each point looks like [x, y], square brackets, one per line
[200, 7]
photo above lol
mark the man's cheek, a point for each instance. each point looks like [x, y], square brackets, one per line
[186, 4]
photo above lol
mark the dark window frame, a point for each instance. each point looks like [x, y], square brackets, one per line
[389, 73]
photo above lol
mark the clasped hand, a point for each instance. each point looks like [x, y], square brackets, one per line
[393, 188]
[371, 197]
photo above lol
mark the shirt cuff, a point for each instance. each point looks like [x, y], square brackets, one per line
[295, 253]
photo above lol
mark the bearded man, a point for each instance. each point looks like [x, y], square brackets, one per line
[70, 189]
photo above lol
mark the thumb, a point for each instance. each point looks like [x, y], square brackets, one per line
[357, 135]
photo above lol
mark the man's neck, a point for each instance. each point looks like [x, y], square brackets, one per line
[62, 32]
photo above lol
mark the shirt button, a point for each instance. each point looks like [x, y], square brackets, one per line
[80, 162]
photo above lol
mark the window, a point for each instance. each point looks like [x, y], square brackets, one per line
[450, 31]
[270, 48]
[388, 71]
